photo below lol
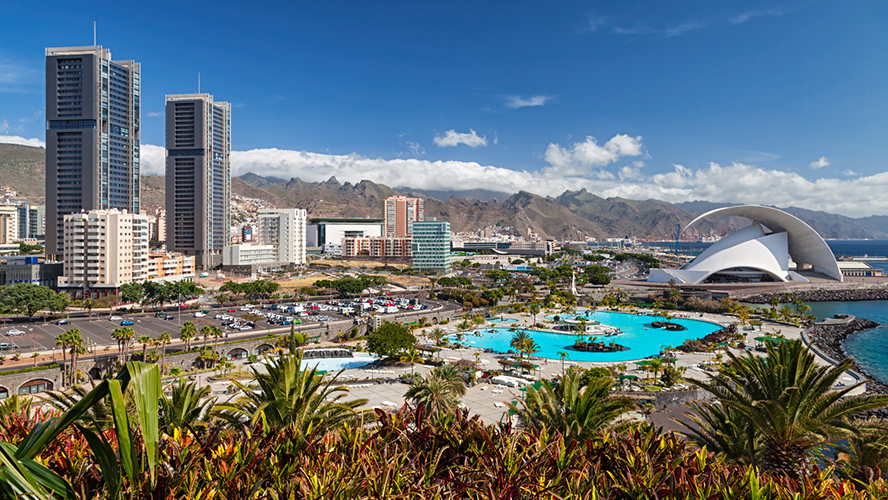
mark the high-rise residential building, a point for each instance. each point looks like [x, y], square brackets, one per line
[103, 249]
[431, 245]
[400, 214]
[37, 221]
[92, 136]
[198, 176]
[285, 229]
[160, 230]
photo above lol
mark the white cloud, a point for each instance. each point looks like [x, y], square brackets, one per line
[14, 139]
[735, 183]
[155, 114]
[747, 16]
[153, 160]
[850, 173]
[454, 138]
[586, 155]
[521, 102]
[820, 162]
[596, 22]
[415, 148]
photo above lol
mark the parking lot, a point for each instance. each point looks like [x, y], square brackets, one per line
[40, 336]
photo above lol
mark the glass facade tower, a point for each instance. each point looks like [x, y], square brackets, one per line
[198, 176]
[92, 136]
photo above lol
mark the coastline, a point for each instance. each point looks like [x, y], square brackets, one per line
[829, 336]
[830, 295]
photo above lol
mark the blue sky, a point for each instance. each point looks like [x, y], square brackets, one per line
[765, 102]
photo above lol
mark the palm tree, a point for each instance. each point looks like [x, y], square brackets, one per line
[787, 397]
[185, 407]
[76, 343]
[144, 340]
[529, 347]
[519, 340]
[164, 339]
[534, 310]
[576, 412]
[292, 394]
[865, 457]
[62, 342]
[725, 431]
[437, 334]
[206, 332]
[223, 298]
[188, 332]
[89, 304]
[562, 355]
[411, 356]
[123, 335]
[439, 392]
[34, 357]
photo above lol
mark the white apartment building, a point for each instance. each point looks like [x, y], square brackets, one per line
[9, 224]
[102, 250]
[249, 255]
[284, 228]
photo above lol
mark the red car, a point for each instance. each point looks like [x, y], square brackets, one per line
[232, 310]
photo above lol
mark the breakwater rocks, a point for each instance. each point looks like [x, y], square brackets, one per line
[829, 335]
[832, 295]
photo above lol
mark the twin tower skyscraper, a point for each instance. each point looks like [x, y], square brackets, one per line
[93, 118]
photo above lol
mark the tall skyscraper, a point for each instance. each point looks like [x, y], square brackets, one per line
[92, 136]
[431, 245]
[198, 176]
[400, 214]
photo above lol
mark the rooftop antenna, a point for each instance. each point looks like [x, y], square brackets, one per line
[94, 33]
[198, 82]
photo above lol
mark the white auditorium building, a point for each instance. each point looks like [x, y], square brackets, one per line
[777, 246]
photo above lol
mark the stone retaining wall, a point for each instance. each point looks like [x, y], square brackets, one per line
[13, 382]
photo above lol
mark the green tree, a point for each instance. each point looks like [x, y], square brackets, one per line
[293, 394]
[27, 298]
[576, 412]
[437, 334]
[787, 397]
[519, 340]
[132, 292]
[390, 340]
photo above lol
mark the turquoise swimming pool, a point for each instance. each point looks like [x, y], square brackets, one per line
[641, 340]
[503, 320]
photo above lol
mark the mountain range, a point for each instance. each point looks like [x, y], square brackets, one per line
[573, 215]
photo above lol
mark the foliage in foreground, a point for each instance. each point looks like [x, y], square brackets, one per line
[411, 456]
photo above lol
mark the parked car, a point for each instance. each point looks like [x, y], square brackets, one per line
[199, 314]
[14, 333]
[115, 318]
[160, 315]
[126, 322]
[63, 322]
[168, 316]
[232, 310]
[6, 346]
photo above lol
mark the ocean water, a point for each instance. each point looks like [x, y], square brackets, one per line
[869, 347]
[839, 247]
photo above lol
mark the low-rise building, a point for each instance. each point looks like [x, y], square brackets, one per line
[384, 246]
[170, 266]
[30, 270]
[102, 250]
[325, 231]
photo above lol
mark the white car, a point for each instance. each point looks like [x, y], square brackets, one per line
[246, 308]
[199, 314]
[14, 332]
[115, 318]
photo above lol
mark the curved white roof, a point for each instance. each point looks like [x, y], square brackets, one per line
[805, 245]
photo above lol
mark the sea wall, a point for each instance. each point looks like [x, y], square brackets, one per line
[828, 337]
[824, 295]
